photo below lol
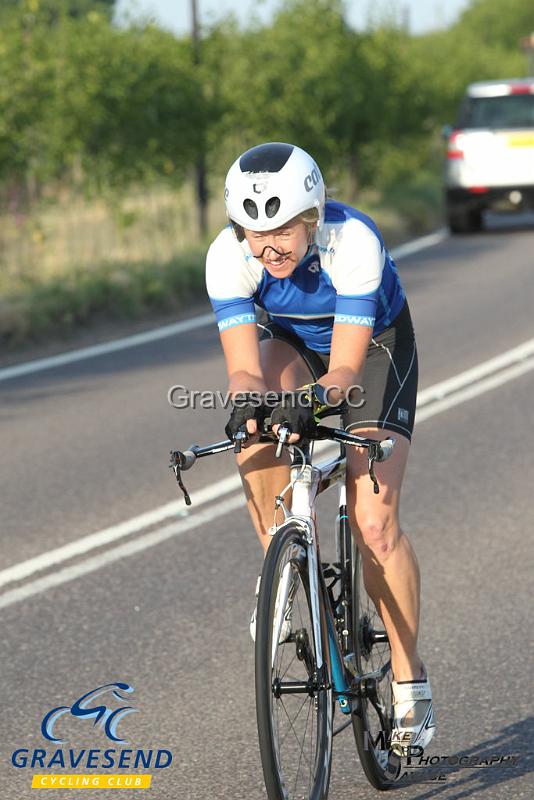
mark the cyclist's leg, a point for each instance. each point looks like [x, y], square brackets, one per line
[390, 566]
[391, 572]
[263, 475]
[391, 576]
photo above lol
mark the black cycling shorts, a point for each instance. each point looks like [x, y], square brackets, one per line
[389, 385]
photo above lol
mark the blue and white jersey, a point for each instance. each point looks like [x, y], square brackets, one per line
[346, 276]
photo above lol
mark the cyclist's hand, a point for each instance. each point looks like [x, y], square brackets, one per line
[296, 413]
[245, 414]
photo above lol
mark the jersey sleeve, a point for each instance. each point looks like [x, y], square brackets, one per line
[230, 281]
[357, 274]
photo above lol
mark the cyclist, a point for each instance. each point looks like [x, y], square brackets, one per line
[337, 317]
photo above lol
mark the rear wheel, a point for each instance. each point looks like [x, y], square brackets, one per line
[372, 718]
[293, 693]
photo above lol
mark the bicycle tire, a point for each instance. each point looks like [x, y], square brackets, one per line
[288, 770]
[371, 727]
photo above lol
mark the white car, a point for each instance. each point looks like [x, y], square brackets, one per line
[490, 153]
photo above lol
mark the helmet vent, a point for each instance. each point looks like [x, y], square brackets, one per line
[251, 208]
[272, 206]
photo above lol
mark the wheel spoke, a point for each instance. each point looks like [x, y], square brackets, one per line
[291, 724]
[302, 751]
[281, 677]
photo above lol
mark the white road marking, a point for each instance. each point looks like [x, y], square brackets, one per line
[106, 536]
[80, 546]
[410, 248]
[38, 365]
[109, 556]
[441, 390]
[105, 348]
[219, 491]
[469, 392]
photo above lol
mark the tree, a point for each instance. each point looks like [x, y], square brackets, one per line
[297, 80]
[119, 105]
[496, 24]
[54, 9]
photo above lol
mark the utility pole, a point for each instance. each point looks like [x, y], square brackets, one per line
[200, 168]
[405, 18]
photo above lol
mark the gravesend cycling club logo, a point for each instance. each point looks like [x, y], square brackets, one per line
[81, 708]
[103, 709]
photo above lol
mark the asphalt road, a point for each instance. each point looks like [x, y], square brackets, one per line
[85, 447]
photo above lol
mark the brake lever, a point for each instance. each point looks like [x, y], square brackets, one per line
[373, 454]
[239, 438]
[283, 434]
[175, 466]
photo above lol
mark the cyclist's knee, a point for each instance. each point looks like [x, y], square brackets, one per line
[380, 535]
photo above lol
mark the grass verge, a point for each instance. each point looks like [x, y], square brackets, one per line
[40, 307]
[37, 303]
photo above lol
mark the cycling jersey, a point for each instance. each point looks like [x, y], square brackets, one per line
[346, 276]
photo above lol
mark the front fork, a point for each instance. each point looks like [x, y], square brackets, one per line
[331, 655]
[341, 625]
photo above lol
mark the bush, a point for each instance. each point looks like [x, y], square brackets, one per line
[56, 305]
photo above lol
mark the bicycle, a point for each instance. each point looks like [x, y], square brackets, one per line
[336, 654]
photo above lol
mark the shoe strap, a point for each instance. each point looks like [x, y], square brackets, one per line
[407, 690]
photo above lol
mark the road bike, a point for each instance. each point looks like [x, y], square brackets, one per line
[321, 646]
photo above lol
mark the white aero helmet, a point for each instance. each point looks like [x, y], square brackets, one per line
[272, 183]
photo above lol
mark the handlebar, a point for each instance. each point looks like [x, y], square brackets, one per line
[186, 459]
[377, 450]
[385, 449]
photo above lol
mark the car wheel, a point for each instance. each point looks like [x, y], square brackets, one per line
[464, 221]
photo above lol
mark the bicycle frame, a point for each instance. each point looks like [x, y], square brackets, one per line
[307, 481]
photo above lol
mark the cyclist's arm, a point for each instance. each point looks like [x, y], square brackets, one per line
[347, 358]
[356, 275]
[231, 282]
[242, 355]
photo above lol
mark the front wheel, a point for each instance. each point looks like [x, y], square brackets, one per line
[293, 689]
